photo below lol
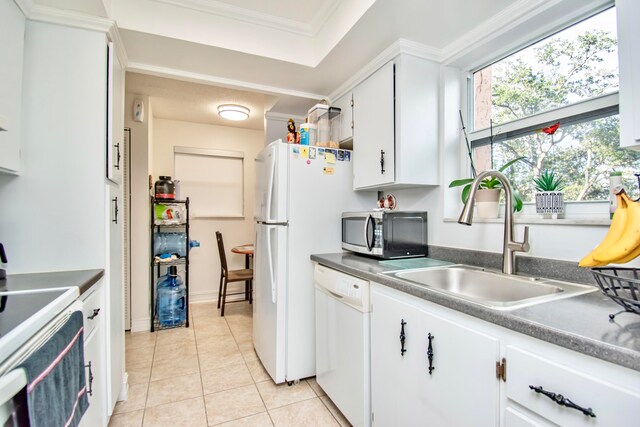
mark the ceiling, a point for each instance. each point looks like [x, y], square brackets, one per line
[273, 55]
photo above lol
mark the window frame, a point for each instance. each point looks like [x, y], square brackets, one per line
[574, 113]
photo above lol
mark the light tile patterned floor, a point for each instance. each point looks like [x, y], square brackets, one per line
[209, 375]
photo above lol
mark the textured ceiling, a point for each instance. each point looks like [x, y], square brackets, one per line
[193, 102]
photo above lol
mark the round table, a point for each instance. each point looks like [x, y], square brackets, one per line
[246, 250]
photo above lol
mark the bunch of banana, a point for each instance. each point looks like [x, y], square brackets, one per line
[622, 242]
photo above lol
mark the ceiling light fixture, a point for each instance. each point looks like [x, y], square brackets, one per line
[233, 112]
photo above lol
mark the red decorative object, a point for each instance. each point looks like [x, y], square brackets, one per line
[551, 129]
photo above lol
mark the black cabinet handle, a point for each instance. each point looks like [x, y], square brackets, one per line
[115, 210]
[90, 391]
[381, 161]
[402, 337]
[430, 353]
[117, 147]
[563, 401]
[95, 313]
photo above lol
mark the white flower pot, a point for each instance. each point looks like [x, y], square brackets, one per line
[550, 203]
[488, 203]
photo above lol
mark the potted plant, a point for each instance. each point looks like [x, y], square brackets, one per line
[488, 195]
[549, 196]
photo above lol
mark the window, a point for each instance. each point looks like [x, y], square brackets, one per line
[212, 179]
[555, 103]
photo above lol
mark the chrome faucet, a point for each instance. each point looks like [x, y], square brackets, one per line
[509, 246]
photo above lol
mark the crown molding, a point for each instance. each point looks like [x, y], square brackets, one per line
[51, 15]
[138, 67]
[512, 17]
[236, 13]
[114, 36]
[25, 6]
[323, 15]
[506, 20]
[68, 18]
[400, 46]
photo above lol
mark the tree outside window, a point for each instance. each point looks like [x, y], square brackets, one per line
[577, 65]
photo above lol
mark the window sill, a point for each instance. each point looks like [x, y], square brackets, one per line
[589, 221]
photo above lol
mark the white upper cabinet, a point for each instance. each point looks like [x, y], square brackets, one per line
[373, 130]
[395, 126]
[12, 25]
[628, 12]
[115, 117]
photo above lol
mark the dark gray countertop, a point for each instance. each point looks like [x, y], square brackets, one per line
[83, 279]
[579, 323]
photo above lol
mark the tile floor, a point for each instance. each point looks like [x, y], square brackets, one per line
[209, 375]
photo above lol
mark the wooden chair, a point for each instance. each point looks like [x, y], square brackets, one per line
[229, 276]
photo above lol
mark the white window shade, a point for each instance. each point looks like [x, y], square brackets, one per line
[212, 179]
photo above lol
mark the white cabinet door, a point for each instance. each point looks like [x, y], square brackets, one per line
[95, 368]
[12, 26]
[373, 130]
[96, 384]
[601, 400]
[628, 12]
[115, 296]
[344, 103]
[445, 375]
[115, 117]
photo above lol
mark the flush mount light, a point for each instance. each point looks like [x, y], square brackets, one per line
[233, 112]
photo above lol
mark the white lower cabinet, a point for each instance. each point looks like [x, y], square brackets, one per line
[569, 392]
[460, 389]
[94, 358]
[464, 388]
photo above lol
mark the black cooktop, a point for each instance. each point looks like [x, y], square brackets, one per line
[15, 308]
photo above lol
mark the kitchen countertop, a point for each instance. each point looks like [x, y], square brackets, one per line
[579, 323]
[83, 279]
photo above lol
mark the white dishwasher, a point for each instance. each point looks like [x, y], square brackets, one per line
[343, 343]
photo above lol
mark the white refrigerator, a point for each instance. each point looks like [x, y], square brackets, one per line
[301, 192]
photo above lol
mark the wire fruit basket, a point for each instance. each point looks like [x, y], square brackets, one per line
[621, 285]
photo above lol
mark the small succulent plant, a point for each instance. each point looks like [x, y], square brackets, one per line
[548, 181]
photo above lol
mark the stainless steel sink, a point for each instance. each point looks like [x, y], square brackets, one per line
[496, 290]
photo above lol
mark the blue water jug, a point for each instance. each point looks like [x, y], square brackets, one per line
[172, 243]
[172, 297]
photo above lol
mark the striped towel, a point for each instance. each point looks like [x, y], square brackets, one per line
[56, 389]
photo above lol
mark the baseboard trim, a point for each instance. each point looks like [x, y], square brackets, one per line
[141, 325]
[124, 389]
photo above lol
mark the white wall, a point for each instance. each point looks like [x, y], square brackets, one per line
[152, 145]
[140, 257]
[204, 261]
[563, 242]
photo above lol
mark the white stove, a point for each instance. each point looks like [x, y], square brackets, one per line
[24, 313]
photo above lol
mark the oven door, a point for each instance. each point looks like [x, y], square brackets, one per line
[13, 399]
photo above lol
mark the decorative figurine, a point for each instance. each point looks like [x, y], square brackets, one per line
[293, 137]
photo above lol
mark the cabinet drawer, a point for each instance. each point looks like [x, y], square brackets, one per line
[93, 311]
[612, 405]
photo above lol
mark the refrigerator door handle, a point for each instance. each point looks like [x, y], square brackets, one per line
[272, 174]
[368, 221]
[270, 262]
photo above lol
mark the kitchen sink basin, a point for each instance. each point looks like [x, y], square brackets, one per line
[492, 289]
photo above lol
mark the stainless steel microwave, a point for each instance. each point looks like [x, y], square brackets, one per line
[385, 234]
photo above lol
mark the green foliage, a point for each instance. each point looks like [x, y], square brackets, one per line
[488, 183]
[548, 181]
[562, 71]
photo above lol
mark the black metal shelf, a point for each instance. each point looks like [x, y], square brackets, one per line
[157, 266]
